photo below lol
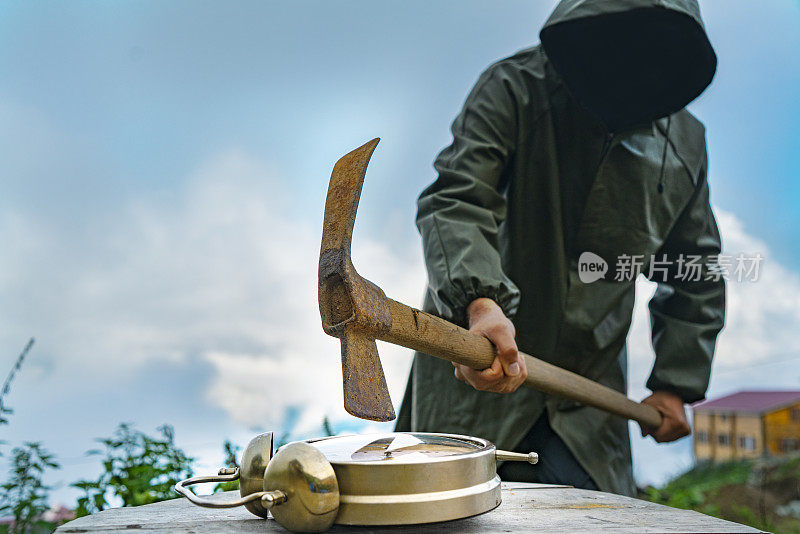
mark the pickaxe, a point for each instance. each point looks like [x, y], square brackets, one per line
[358, 312]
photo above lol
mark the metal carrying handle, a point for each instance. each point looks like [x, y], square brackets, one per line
[227, 474]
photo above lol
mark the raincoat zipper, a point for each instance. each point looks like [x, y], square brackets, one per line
[604, 152]
[608, 140]
[661, 182]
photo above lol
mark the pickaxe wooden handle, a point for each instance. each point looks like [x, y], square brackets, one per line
[357, 311]
[432, 335]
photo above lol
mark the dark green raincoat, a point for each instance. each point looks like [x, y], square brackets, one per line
[581, 144]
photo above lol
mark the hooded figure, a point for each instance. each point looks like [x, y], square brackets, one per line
[580, 144]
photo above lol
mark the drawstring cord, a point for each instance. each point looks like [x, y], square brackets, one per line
[661, 184]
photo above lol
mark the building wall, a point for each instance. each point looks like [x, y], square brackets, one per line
[724, 426]
[749, 441]
[782, 430]
[725, 436]
[703, 429]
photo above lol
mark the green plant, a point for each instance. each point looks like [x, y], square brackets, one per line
[790, 468]
[327, 428]
[24, 495]
[137, 469]
[5, 410]
[745, 491]
[230, 450]
[691, 489]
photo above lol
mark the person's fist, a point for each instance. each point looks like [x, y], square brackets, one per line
[508, 370]
[674, 424]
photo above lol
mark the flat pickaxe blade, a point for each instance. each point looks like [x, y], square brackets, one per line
[352, 308]
[364, 385]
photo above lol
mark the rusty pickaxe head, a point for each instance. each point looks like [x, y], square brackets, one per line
[352, 308]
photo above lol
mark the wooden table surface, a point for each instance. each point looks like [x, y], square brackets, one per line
[525, 507]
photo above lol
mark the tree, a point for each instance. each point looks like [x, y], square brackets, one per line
[137, 469]
[24, 495]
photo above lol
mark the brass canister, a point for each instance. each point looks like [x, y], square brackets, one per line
[398, 478]
[407, 478]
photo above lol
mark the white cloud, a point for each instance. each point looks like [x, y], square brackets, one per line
[300, 366]
[221, 273]
[763, 316]
[303, 366]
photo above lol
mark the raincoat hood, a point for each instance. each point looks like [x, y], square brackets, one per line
[630, 61]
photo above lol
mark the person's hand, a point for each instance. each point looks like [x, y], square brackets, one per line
[674, 424]
[508, 370]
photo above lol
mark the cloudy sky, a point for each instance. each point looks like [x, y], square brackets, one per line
[163, 169]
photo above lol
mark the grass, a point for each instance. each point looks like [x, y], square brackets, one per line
[744, 491]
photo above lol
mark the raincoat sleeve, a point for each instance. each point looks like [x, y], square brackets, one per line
[687, 314]
[459, 215]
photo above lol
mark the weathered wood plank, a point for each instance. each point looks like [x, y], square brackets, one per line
[525, 507]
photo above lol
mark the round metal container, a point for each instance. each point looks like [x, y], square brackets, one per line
[404, 478]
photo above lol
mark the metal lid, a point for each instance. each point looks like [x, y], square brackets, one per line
[398, 447]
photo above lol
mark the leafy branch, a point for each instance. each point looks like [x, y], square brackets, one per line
[230, 450]
[137, 469]
[24, 495]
